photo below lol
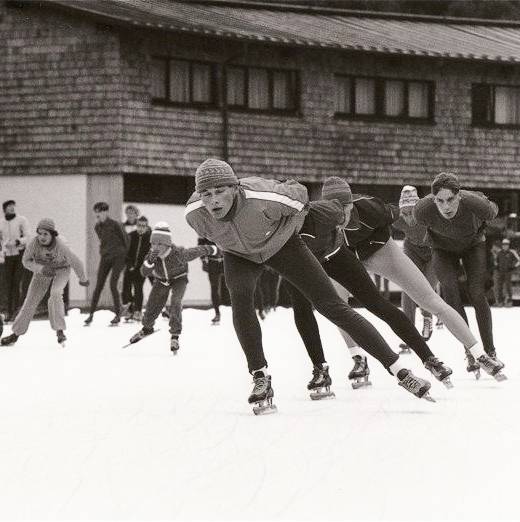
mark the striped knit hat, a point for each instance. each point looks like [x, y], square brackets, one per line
[214, 173]
[408, 197]
[161, 234]
[337, 188]
[49, 225]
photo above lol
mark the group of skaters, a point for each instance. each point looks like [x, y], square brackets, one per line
[324, 250]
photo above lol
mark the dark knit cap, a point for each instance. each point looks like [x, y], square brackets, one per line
[337, 188]
[214, 173]
[47, 224]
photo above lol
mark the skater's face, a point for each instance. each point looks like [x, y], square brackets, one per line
[505, 246]
[131, 215]
[159, 248]
[44, 237]
[407, 214]
[101, 215]
[347, 210]
[10, 209]
[447, 202]
[219, 200]
[142, 226]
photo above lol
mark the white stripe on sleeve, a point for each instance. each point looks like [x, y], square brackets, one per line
[274, 196]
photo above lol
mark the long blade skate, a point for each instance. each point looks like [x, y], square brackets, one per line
[360, 382]
[324, 392]
[265, 407]
[415, 385]
[139, 340]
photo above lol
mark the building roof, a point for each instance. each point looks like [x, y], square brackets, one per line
[332, 29]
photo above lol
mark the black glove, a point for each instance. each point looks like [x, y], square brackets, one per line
[151, 257]
[85, 283]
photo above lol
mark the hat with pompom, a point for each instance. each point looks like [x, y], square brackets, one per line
[337, 188]
[161, 234]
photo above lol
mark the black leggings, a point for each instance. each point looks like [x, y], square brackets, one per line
[116, 265]
[474, 261]
[345, 268]
[295, 262]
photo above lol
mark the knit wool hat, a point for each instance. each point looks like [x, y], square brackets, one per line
[337, 188]
[214, 173]
[161, 234]
[408, 197]
[47, 224]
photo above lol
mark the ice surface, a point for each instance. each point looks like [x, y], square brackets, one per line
[93, 431]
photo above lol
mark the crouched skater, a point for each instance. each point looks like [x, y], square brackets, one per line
[255, 222]
[168, 263]
[50, 260]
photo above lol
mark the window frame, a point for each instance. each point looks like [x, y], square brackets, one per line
[379, 101]
[213, 90]
[491, 124]
[293, 76]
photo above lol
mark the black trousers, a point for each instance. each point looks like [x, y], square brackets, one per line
[296, 263]
[474, 262]
[132, 294]
[349, 272]
[216, 280]
[13, 274]
[107, 264]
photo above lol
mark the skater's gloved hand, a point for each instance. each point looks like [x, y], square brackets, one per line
[85, 283]
[48, 271]
[151, 257]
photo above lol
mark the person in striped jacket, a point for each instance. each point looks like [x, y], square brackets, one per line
[255, 222]
[168, 263]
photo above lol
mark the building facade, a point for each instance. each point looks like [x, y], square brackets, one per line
[101, 106]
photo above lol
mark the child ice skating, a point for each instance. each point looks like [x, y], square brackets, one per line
[50, 260]
[168, 263]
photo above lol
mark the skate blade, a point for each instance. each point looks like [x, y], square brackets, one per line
[428, 397]
[361, 384]
[500, 377]
[318, 395]
[447, 382]
[266, 409]
[405, 352]
[477, 374]
[62, 345]
[175, 352]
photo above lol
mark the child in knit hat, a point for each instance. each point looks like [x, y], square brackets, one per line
[50, 260]
[168, 263]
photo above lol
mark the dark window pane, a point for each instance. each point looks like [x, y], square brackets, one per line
[158, 77]
[258, 89]
[281, 90]
[343, 94]
[481, 104]
[201, 83]
[236, 86]
[394, 98]
[180, 81]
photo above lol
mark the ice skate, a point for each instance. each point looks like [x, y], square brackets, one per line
[439, 324]
[319, 385]
[492, 367]
[88, 320]
[415, 385]
[137, 316]
[439, 370]
[359, 373]
[174, 345]
[60, 335]
[262, 394]
[473, 366]
[216, 320]
[139, 336]
[404, 349]
[427, 328]
[126, 312]
[115, 320]
[9, 340]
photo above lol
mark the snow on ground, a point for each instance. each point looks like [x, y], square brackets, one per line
[93, 431]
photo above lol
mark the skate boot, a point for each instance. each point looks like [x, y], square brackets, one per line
[216, 320]
[140, 335]
[319, 385]
[492, 367]
[9, 340]
[427, 328]
[359, 373]
[174, 345]
[61, 337]
[439, 370]
[415, 385]
[473, 366]
[115, 320]
[439, 324]
[404, 349]
[262, 394]
[89, 320]
[137, 316]
[126, 312]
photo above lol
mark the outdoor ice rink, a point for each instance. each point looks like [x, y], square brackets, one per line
[93, 431]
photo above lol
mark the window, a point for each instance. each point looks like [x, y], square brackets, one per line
[262, 89]
[495, 105]
[183, 82]
[381, 98]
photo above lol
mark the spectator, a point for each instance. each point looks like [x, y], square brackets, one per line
[506, 260]
[113, 247]
[14, 233]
